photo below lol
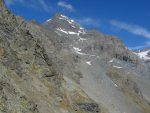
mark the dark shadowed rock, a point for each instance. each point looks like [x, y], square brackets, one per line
[91, 107]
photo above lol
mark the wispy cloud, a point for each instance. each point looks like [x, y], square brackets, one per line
[66, 6]
[134, 29]
[146, 45]
[89, 22]
[12, 2]
[35, 4]
[44, 5]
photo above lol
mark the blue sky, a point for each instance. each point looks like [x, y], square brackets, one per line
[129, 20]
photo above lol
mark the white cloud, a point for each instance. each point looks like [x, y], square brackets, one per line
[65, 5]
[134, 29]
[9, 2]
[89, 22]
[12, 2]
[146, 45]
[35, 4]
[44, 5]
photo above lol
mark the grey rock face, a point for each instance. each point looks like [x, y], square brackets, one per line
[97, 53]
[60, 67]
[31, 78]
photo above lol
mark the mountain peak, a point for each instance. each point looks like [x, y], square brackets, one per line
[65, 24]
[59, 15]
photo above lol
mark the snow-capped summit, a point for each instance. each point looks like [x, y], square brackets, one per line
[63, 17]
[145, 55]
[48, 20]
[64, 24]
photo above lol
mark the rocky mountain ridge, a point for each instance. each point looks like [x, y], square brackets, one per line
[60, 67]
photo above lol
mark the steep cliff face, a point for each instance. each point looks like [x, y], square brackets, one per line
[60, 67]
[29, 79]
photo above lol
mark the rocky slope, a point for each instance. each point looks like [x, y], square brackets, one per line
[60, 67]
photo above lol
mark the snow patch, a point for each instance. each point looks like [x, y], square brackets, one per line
[67, 19]
[73, 26]
[143, 55]
[80, 53]
[76, 49]
[64, 16]
[69, 32]
[59, 29]
[83, 32]
[82, 39]
[48, 20]
[89, 62]
[117, 67]
[72, 20]
[116, 85]
[81, 28]
[112, 60]
[73, 33]
[76, 33]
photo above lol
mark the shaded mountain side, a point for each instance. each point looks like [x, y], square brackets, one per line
[60, 67]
